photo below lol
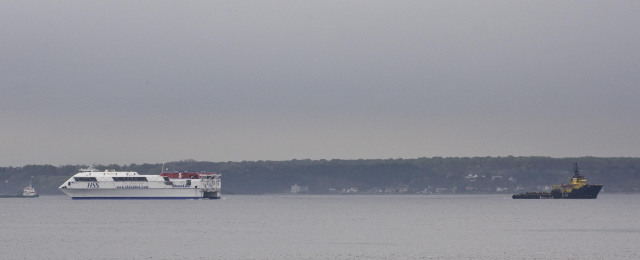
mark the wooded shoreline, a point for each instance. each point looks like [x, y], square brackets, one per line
[465, 175]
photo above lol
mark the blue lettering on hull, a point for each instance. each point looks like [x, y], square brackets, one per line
[132, 187]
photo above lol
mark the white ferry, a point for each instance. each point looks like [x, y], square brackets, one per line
[92, 184]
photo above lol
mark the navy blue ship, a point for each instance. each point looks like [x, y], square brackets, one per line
[577, 189]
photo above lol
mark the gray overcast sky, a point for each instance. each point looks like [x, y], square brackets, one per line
[123, 82]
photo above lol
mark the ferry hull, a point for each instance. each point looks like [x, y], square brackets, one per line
[153, 193]
[135, 198]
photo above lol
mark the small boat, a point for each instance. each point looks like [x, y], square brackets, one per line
[577, 189]
[29, 192]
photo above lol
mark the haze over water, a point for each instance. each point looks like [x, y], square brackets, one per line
[102, 82]
[322, 227]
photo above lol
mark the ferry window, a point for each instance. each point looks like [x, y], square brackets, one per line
[85, 178]
[129, 178]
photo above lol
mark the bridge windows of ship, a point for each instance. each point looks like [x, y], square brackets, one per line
[129, 178]
[85, 178]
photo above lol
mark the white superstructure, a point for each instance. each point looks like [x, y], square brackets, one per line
[93, 184]
[29, 191]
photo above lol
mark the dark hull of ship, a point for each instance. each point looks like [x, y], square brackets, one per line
[16, 196]
[533, 195]
[211, 195]
[589, 191]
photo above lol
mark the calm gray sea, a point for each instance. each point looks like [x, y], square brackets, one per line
[322, 227]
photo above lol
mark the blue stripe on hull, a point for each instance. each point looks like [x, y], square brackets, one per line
[135, 198]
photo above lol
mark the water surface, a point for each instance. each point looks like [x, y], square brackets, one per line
[322, 227]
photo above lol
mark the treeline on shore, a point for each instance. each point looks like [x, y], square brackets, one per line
[465, 175]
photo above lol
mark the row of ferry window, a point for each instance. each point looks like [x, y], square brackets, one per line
[85, 178]
[114, 178]
[129, 178]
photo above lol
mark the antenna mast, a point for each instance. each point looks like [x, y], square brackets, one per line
[576, 170]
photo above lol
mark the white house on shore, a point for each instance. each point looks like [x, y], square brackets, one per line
[295, 188]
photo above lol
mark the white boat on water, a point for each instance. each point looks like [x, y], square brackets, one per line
[92, 184]
[29, 192]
